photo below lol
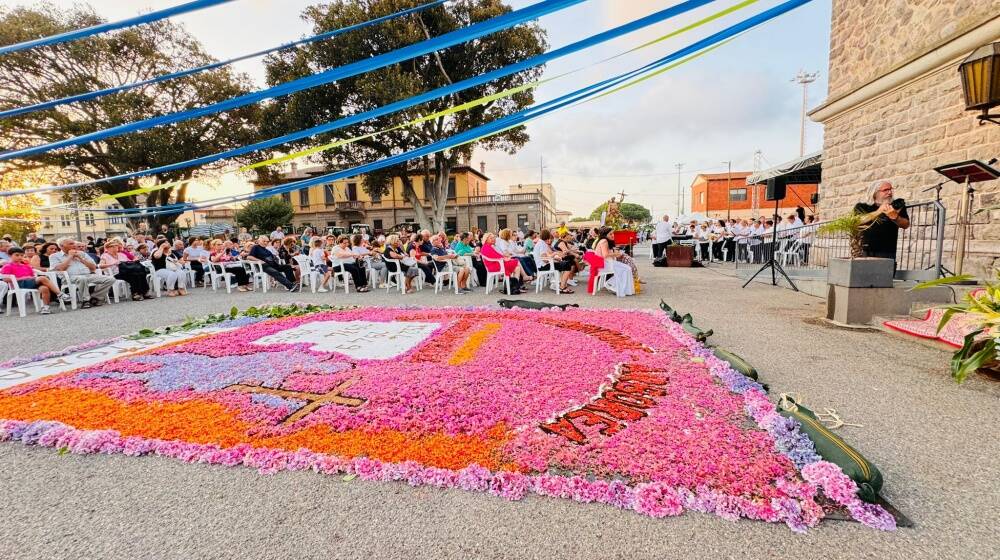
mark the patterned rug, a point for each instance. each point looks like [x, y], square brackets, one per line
[617, 407]
[953, 333]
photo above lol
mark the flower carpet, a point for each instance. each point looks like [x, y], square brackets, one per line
[617, 407]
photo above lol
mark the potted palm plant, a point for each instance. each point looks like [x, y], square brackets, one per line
[981, 347]
[858, 271]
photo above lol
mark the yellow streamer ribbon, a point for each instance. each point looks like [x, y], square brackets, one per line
[475, 103]
[499, 95]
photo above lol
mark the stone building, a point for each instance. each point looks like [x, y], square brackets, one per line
[895, 109]
[724, 195]
[345, 203]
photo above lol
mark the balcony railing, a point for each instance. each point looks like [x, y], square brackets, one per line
[502, 198]
[351, 205]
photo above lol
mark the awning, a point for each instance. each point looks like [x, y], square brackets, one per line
[804, 170]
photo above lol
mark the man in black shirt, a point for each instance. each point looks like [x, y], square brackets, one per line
[879, 239]
[283, 273]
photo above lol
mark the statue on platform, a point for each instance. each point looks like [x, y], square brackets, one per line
[614, 218]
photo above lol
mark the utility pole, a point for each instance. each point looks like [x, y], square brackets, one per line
[758, 156]
[804, 78]
[729, 190]
[541, 173]
[680, 193]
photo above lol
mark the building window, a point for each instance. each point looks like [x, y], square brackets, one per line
[304, 198]
[352, 192]
[88, 219]
[377, 226]
[287, 197]
[522, 221]
[501, 221]
[328, 196]
[331, 224]
[376, 197]
[64, 220]
[451, 225]
[46, 223]
[451, 189]
[482, 223]
[701, 198]
[737, 195]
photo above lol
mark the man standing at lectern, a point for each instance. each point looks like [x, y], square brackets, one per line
[879, 239]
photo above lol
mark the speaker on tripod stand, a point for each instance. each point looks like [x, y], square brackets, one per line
[777, 189]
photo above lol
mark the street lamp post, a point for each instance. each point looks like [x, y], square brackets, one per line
[72, 170]
[804, 78]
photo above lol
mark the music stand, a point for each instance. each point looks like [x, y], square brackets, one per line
[772, 263]
[966, 173]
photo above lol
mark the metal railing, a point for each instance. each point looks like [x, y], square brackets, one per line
[500, 198]
[805, 252]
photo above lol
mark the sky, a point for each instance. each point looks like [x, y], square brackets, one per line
[721, 107]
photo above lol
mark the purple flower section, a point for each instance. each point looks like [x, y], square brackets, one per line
[277, 402]
[205, 374]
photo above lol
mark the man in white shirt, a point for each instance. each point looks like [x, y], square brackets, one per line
[83, 272]
[278, 233]
[661, 237]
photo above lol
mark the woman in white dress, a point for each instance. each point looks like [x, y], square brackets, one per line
[622, 283]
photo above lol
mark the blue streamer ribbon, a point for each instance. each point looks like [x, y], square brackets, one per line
[331, 126]
[111, 26]
[419, 49]
[494, 127]
[166, 77]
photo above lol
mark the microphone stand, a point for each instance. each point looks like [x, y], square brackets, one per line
[772, 263]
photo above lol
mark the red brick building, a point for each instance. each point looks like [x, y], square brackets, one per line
[721, 195]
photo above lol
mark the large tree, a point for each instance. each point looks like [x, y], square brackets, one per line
[630, 211]
[109, 60]
[399, 81]
[265, 214]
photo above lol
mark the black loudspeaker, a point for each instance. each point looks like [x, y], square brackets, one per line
[814, 198]
[776, 189]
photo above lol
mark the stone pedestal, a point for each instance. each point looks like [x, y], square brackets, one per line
[864, 272]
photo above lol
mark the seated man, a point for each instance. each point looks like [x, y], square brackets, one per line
[440, 257]
[83, 272]
[282, 273]
[25, 277]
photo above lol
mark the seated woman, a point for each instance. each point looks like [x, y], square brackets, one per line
[24, 275]
[440, 256]
[421, 259]
[510, 267]
[621, 282]
[318, 257]
[40, 261]
[508, 246]
[547, 259]
[197, 258]
[167, 269]
[373, 259]
[287, 252]
[133, 275]
[396, 256]
[219, 254]
[343, 256]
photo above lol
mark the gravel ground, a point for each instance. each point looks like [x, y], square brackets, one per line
[934, 441]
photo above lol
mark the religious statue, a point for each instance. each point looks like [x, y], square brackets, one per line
[614, 218]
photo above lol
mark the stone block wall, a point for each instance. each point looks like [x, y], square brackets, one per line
[903, 134]
[871, 37]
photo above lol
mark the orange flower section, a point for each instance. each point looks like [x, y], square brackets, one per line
[211, 423]
[467, 351]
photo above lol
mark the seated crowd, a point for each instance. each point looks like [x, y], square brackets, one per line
[70, 271]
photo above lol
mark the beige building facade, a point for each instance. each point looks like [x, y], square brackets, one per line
[61, 222]
[895, 110]
[344, 203]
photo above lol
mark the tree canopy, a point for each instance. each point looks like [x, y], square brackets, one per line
[109, 60]
[630, 211]
[265, 214]
[381, 87]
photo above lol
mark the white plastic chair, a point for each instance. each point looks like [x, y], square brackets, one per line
[602, 279]
[395, 278]
[154, 280]
[342, 275]
[473, 277]
[258, 276]
[492, 277]
[308, 275]
[62, 280]
[790, 248]
[552, 275]
[217, 272]
[21, 295]
[118, 289]
[446, 273]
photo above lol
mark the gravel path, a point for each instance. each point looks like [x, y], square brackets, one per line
[934, 441]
